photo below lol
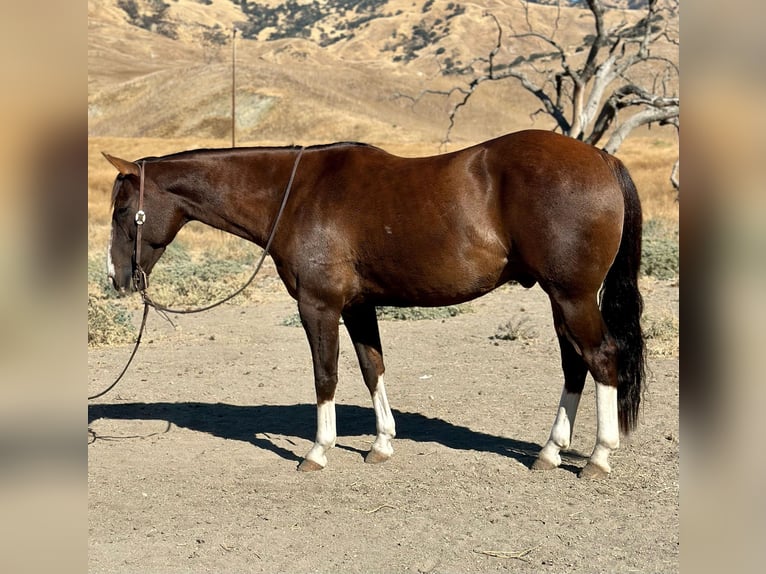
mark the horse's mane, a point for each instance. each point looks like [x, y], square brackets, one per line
[115, 187]
[206, 151]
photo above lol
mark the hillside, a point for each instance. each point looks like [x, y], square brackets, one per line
[306, 71]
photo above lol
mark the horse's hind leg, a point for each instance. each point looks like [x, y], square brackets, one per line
[575, 371]
[362, 325]
[583, 327]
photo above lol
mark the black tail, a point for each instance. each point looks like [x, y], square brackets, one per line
[622, 305]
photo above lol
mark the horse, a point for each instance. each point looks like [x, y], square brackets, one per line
[363, 228]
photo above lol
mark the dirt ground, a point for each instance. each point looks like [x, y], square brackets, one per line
[192, 458]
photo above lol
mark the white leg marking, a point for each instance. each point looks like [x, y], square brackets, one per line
[109, 262]
[563, 428]
[607, 431]
[384, 421]
[326, 433]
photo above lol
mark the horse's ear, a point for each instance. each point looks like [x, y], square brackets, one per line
[124, 166]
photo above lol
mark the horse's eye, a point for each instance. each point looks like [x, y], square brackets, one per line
[121, 210]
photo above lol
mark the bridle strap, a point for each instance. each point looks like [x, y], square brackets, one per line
[139, 276]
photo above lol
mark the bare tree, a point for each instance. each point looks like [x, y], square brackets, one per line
[622, 76]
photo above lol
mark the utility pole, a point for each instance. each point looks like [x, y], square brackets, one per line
[233, 86]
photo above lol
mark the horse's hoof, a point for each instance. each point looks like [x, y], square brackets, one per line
[543, 464]
[376, 457]
[591, 470]
[307, 465]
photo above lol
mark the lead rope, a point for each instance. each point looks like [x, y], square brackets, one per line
[140, 276]
[130, 360]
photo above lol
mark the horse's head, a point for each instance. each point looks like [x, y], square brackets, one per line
[160, 221]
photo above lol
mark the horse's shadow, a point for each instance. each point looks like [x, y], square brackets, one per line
[255, 424]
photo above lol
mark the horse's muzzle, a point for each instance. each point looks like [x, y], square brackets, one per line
[124, 285]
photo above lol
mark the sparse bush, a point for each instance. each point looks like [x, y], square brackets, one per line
[661, 332]
[293, 320]
[178, 280]
[402, 314]
[293, 19]
[182, 280]
[108, 319]
[154, 20]
[515, 329]
[659, 257]
[424, 34]
[214, 38]
[419, 313]
[99, 284]
[108, 322]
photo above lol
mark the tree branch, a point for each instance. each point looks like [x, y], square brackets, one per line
[647, 116]
[585, 95]
[674, 181]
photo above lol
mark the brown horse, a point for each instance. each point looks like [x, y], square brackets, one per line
[362, 227]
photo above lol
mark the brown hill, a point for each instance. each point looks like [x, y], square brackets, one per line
[144, 84]
[339, 77]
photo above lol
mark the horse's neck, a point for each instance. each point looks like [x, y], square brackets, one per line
[240, 194]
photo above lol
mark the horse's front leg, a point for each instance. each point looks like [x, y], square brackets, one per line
[561, 433]
[321, 325]
[362, 325]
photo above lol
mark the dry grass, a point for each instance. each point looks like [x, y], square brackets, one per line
[108, 323]
[515, 329]
[650, 157]
[661, 329]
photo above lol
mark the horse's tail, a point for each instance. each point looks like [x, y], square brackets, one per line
[622, 305]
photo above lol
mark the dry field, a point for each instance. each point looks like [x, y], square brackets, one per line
[192, 458]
